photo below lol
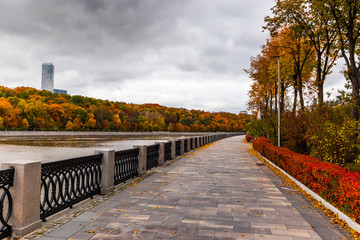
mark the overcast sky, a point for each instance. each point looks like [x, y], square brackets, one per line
[178, 53]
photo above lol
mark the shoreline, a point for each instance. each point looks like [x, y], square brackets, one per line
[11, 133]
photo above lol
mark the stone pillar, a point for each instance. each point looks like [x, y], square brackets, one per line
[201, 142]
[194, 141]
[107, 170]
[173, 149]
[182, 146]
[188, 145]
[142, 159]
[25, 216]
[161, 159]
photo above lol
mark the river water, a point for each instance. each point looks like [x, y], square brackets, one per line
[47, 149]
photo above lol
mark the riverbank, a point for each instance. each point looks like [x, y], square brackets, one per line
[100, 134]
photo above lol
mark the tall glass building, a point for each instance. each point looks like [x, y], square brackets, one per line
[47, 80]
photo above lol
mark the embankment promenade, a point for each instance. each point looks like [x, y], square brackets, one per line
[219, 191]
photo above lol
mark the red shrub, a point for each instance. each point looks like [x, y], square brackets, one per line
[335, 184]
[248, 138]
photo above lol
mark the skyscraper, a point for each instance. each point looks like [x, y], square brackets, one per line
[47, 80]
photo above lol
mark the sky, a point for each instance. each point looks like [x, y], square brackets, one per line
[177, 53]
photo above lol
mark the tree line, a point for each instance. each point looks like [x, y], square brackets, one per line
[30, 109]
[309, 36]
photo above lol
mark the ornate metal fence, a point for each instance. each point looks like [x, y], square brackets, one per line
[126, 165]
[65, 183]
[178, 147]
[152, 156]
[6, 182]
[167, 148]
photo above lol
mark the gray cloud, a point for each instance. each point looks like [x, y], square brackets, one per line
[182, 50]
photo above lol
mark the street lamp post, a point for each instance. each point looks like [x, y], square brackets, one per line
[279, 91]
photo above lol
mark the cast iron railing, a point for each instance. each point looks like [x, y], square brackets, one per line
[67, 182]
[6, 182]
[167, 147]
[152, 156]
[178, 147]
[126, 165]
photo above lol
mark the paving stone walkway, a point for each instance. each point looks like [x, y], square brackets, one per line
[220, 191]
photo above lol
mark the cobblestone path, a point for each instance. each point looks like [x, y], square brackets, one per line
[219, 191]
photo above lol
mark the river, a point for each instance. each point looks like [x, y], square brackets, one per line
[53, 148]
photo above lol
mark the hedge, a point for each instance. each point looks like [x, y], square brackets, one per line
[248, 138]
[335, 184]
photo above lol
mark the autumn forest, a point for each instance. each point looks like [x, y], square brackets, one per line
[26, 108]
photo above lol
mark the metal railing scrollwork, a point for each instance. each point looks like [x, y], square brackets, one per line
[67, 182]
[126, 165]
[6, 182]
[152, 156]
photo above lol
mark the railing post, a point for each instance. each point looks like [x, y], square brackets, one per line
[193, 143]
[25, 216]
[107, 170]
[173, 149]
[182, 146]
[161, 160]
[188, 148]
[142, 159]
[201, 142]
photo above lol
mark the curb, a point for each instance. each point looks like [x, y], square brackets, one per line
[351, 223]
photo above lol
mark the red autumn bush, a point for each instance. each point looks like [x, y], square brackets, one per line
[248, 138]
[332, 182]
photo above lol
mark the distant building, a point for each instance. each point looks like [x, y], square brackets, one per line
[47, 79]
[59, 91]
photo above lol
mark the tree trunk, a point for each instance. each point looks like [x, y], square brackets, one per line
[295, 93]
[301, 95]
[295, 100]
[282, 98]
[355, 95]
[319, 81]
